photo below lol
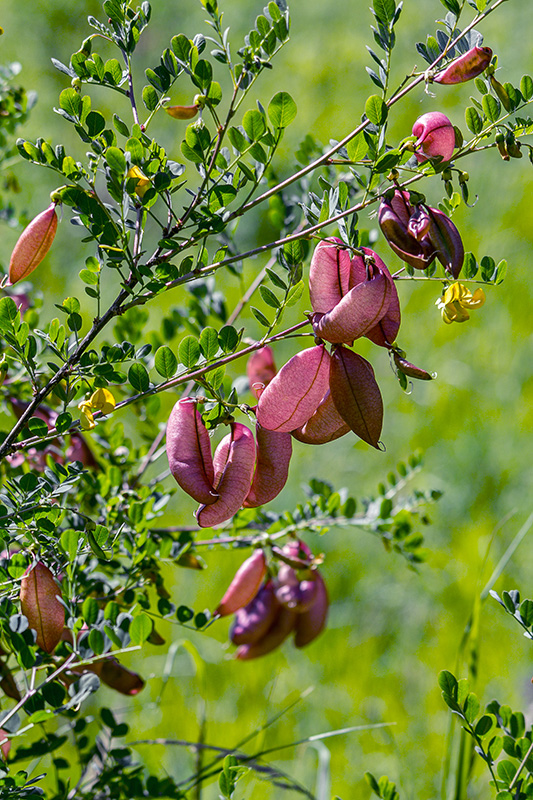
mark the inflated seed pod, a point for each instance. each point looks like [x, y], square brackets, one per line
[274, 452]
[357, 313]
[293, 395]
[117, 677]
[253, 621]
[297, 593]
[33, 244]
[244, 585]
[356, 394]
[435, 136]
[234, 463]
[329, 274]
[189, 452]
[312, 622]
[324, 426]
[466, 66]
[446, 241]
[409, 369]
[283, 624]
[386, 330]
[39, 591]
[260, 369]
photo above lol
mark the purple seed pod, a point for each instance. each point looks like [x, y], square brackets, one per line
[189, 452]
[435, 136]
[465, 67]
[385, 332]
[253, 621]
[312, 622]
[402, 365]
[260, 369]
[329, 274]
[293, 395]
[356, 394]
[298, 595]
[298, 551]
[244, 585]
[233, 463]
[283, 624]
[274, 452]
[393, 217]
[446, 242]
[324, 426]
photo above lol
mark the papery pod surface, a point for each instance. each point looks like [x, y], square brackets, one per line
[39, 604]
[279, 630]
[324, 426]
[356, 394]
[189, 452]
[329, 274]
[33, 244]
[253, 621]
[244, 586]
[274, 450]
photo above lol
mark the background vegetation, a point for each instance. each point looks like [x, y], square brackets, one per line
[391, 630]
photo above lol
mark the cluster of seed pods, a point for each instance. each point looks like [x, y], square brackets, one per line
[268, 608]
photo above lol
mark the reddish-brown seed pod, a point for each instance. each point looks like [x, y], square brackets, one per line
[312, 622]
[117, 677]
[356, 394]
[293, 395]
[386, 330]
[357, 313]
[329, 274]
[5, 747]
[274, 452]
[33, 244]
[189, 452]
[410, 369]
[244, 585]
[39, 604]
[466, 66]
[253, 621]
[7, 682]
[324, 426]
[260, 369]
[234, 463]
[277, 633]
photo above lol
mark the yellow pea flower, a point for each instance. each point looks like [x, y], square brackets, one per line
[100, 400]
[86, 417]
[143, 183]
[456, 302]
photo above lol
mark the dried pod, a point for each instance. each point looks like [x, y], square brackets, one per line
[260, 369]
[38, 600]
[253, 621]
[311, 623]
[189, 452]
[117, 677]
[8, 683]
[356, 394]
[293, 395]
[274, 452]
[234, 463]
[329, 274]
[277, 633]
[466, 66]
[409, 369]
[324, 426]
[435, 136]
[33, 244]
[244, 585]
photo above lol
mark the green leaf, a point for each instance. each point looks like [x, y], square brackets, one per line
[115, 160]
[9, 314]
[150, 99]
[473, 120]
[96, 642]
[89, 277]
[120, 125]
[138, 377]
[376, 110]
[491, 107]
[357, 148]
[254, 124]
[282, 110]
[63, 422]
[140, 628]
[260, 317]
[189, 351]
[209, 343]
[228, 338]
[448, 682]
[135, 149]
[90, 610]
[526, 87]
[470, 268]
[384, 10]
[485, 725]
[269, 297]
[70, 101]
[471, 707]
[506, 771]
[165, 362]
[69, 543]
[37, 426]
[501, 271]
[295, 293]
[95, 123]
[113, 71]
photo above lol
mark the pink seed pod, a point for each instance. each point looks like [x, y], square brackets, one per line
[297, 552]
[33, 244]
[274, 452]
[39, 604]
[5, 747]
[253, 621]
[324, 426]
[402, 365]
[293, 395]
[466, 66]
[234, 463]
[329, 274]
[244, 585]
[446, 242]
[260, 369]
[394, 216]
[312, 622]
[117, 677]
[189, 452]
[276, 634]
[435, 137]
[386, 330]
[79, 450]
[357, 313]
[298, 595]
[356, 394]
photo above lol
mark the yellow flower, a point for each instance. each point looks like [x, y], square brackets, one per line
[100, 400]
[86, 417]
[143, 183]
[456, 301]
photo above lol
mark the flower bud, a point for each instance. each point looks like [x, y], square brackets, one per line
[466, 66]
[356, 394]
[234, 463]
[293, 395]
[244, 586]
[33, 244]
[39, 604]
[253, 621]
[189, 452]
[274, 452]
[435, 136]
[260, 369]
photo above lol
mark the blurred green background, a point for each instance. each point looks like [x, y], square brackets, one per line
[390, 630]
